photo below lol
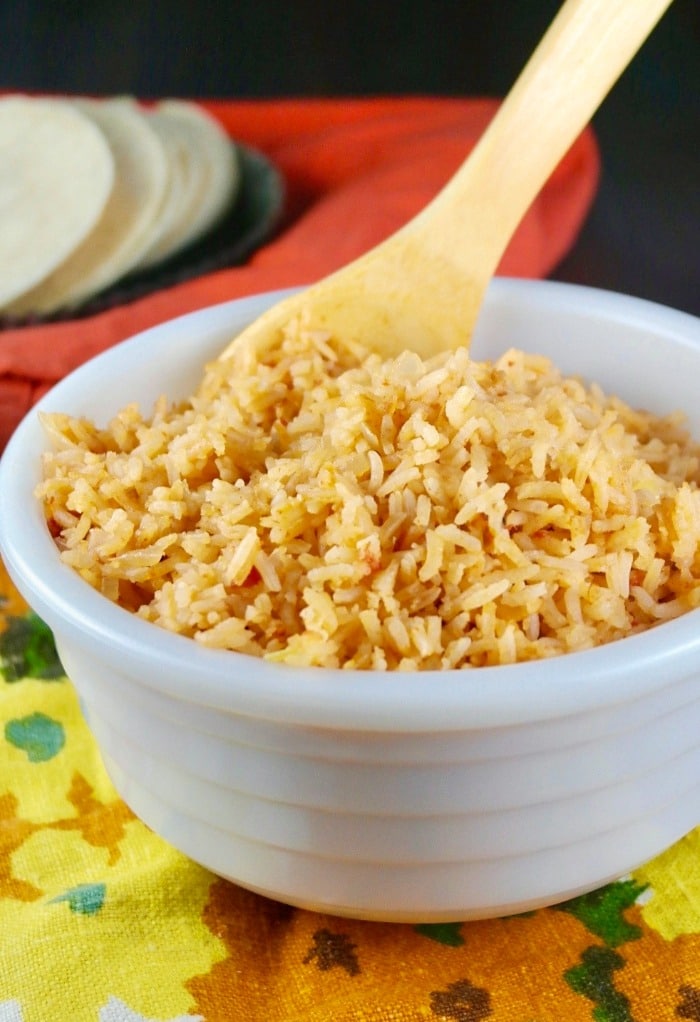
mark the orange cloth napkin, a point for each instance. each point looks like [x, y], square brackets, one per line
[355, 171]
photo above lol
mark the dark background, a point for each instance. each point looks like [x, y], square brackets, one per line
[642, 235]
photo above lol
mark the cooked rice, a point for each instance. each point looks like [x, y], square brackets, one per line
[317, 505]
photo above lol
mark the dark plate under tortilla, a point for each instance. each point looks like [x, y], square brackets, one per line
[252, 220]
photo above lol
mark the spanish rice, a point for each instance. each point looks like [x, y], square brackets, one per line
[318, 505]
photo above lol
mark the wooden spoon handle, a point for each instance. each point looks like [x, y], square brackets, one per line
[422, 287]
[586, 48]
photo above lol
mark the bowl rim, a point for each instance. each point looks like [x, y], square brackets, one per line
[498, 696]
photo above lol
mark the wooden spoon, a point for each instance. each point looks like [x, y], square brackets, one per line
[422, 288]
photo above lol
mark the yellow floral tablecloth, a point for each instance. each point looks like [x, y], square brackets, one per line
[101, 921]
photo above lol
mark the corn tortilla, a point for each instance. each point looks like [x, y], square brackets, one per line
[56, 176]
[213, 171]
[123, 231]
[166, 229]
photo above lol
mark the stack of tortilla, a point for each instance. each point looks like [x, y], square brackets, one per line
[93, 190]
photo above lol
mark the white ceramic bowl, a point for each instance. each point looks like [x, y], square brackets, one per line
[433, 796]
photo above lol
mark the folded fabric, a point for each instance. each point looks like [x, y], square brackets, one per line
[355, 171]
[102, 921]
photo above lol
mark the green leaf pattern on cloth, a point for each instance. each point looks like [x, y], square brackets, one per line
[85, 898]
[36, 734]
[27, 650]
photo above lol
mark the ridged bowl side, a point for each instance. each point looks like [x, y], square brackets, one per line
[419, 826]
